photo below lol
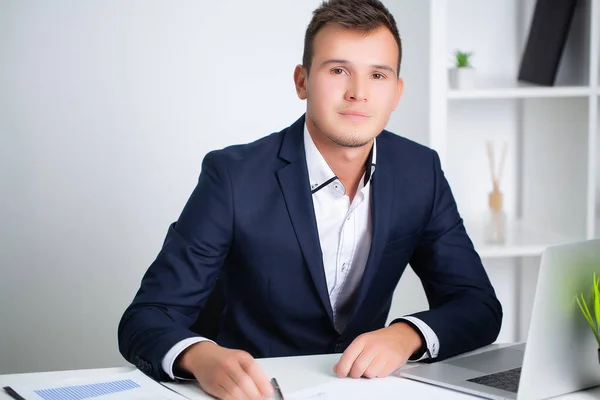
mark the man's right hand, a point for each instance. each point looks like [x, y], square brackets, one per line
[225, 373]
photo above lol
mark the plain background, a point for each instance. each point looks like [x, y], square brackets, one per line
[106, 112]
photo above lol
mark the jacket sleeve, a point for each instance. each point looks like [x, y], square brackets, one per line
[178, 283]
[463, 309]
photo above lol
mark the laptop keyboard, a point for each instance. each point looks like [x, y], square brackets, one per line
[505, 380]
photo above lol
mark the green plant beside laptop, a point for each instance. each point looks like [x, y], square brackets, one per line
[592, 319]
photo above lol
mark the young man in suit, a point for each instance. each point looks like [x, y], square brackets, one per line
[308, 231]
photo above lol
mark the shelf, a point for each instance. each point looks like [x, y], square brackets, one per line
[510, 89]
[522, 239]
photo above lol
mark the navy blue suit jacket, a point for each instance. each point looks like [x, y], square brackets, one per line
[251, 221]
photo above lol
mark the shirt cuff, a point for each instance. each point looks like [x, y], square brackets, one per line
[431, 340]
[168, 360]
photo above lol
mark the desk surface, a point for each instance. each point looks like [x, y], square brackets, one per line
[292, 373]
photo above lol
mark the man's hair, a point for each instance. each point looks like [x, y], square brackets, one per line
[358, 15]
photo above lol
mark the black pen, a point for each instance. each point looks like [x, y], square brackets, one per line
[278, 394]
[12, 393]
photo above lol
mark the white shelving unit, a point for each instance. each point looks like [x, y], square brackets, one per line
[551, 181]
[522, 241]
[550, 177]
[510, 89]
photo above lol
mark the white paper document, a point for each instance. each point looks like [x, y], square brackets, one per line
[379, 388]
[129, 385]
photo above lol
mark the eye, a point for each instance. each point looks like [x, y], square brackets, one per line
[337, 71]
[378, 76]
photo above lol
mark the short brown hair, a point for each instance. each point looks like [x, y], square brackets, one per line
[359, 15]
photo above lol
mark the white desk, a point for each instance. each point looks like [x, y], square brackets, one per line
[292, 373]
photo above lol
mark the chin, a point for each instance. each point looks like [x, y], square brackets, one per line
[352, 141]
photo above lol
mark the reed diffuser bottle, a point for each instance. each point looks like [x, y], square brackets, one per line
[495, 231]
[495, 221]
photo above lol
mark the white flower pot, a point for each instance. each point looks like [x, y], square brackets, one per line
[462, 78]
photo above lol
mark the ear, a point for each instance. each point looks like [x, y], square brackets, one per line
[300, 81]
[399, 90]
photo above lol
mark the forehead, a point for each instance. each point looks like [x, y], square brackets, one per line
[374, 47]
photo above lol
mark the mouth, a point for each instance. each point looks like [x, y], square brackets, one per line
[355, 115]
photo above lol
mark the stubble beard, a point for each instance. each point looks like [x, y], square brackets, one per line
[352, 141]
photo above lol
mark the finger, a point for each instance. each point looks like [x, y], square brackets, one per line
[246, 385]
[216, 386]
[234, 391]
[374, 369]
[261, 383]
[391, 366]
[348, 357]
[243, 381]
[362, 362]
[221, 392]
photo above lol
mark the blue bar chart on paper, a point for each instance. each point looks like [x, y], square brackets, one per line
[81, 392]
[129, 385]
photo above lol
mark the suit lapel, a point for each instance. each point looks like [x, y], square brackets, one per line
[295, 185]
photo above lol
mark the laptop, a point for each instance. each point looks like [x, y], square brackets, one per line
[560, 355]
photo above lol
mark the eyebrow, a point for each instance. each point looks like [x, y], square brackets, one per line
[346, 62]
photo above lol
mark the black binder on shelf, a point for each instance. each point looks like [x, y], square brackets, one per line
[547, 37]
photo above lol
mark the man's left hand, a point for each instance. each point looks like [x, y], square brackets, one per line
[379, 353]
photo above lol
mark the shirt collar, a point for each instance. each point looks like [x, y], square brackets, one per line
[319, 172]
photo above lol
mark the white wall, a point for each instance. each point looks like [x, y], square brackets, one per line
[106, 111]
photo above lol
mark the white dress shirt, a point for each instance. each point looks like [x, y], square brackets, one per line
[345, 231]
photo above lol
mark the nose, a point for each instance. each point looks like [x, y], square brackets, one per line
[357, 90]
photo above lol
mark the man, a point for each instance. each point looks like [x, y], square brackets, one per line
[308, 231]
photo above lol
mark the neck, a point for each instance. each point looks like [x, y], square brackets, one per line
[347, 163]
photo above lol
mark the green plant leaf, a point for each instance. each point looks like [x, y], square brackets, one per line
[585, 311]
[462, 59]
[596, 301]
[593, 321]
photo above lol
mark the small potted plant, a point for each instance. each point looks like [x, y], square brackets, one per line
[462, 76]
[592, 319]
